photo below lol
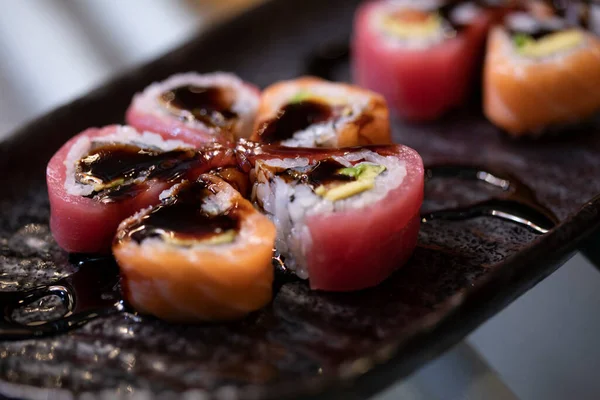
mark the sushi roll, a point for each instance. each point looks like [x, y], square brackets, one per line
[203, 254]
[421, 55]
[103, 175]
[311, 112]
[540, 74]
[347, 218]
[196, 108]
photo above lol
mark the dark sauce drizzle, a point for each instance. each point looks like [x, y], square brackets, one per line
[210, 105]
[181, 217]
[114, 161]
[294, 117]
[322, 173]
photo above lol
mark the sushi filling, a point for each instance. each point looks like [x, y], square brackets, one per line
[413, 24]
[549, 44]
[422, 24]
[542, 37]
[113, 167]
[311, 120]
[210, 105]
[291, 190]
[190, 214]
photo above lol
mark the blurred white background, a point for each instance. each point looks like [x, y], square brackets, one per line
[542, 347]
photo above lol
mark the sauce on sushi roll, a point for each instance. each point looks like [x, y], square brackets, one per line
[102, 176]
[203, 254]
[311, 112]
[347, 218]
[420, 55]
[540, 74]
[217, 107]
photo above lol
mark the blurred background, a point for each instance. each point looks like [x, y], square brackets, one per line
[541, 347]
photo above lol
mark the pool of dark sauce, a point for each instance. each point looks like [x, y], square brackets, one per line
[116, 165]
[91, 292]
[518, 205]
[294, 117]
[210, 105]
[180, 217]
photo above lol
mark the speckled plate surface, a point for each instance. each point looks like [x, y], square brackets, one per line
[305, 344]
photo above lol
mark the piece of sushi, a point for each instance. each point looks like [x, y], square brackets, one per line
[203, 254]
[196, 108]
[103, 175]
[312, 112]
[540, 75]
[420, 55]
[346, 218]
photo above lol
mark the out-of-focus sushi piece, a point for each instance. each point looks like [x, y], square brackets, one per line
[103, 175]
[540, 74]
[203, 254]
[196, 108]
[312, 112]
[346, 218]
[421, 55]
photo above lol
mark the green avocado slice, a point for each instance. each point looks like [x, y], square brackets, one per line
[364, 173]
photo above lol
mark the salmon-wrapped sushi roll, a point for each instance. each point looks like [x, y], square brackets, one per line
[203, 254]
[103, 175]
[347, 218]
[421, 55]
[540, 74]
[196, 108]
[312, 112]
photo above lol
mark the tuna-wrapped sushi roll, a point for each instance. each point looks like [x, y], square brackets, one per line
[196, 108]
[421, 55]
[203, 254]
[103, 175]
[540, 73]
[347, 218]
[312, 112]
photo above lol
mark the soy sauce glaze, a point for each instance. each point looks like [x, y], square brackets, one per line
[210, 105]
[181, 218]
[322, 173]
[114, 167]
[294, 117]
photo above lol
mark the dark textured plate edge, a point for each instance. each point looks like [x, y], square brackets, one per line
[468, 310]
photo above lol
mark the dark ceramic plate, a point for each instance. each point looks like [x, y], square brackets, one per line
[469, 264]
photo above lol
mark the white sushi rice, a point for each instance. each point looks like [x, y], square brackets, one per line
[323, 134]
[122, 134]
[274, 195]
[245, 104]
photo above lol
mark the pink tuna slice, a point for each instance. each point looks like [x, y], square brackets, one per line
[357, 249]
[418, 84]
